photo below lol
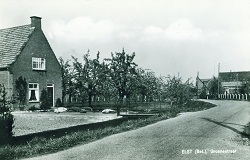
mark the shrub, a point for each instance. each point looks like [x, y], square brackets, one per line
[21, 88]
[6, 128]
[58, 102]
[44, 105]
[75, 109]
[32, 108]
[6, 118]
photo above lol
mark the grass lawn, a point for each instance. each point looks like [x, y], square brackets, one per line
[38, 146]
[31, 122]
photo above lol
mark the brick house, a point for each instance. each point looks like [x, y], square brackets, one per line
[233, 82]
[25, 51]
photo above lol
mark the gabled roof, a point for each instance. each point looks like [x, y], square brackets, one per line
[234, 76]
[203, 82]
[12, 41]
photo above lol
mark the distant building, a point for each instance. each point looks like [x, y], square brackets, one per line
[232, 82]
[202, 86]
[25, 51]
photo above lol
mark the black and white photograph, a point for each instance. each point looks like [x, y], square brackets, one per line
[124, 79]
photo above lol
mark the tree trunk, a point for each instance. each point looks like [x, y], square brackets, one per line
[82, 99]
[118, 108]
[90, 98]
[63, 98]
[70, 96]
[120, 103]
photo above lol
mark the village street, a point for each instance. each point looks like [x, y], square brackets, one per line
[198, 135]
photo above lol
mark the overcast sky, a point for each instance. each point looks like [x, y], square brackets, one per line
[168, 36]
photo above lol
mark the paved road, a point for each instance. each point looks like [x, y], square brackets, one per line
[177, 138]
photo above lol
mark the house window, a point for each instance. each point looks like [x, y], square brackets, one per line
[33, 92]
[38, 63]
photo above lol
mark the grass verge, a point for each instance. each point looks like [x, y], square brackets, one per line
[39, 146]
[245, 136]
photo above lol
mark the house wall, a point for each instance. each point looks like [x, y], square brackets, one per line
[6, 79]
[199, 84]
[38, 46]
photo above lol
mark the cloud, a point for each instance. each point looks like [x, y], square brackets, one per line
[153, 30]
[126, 35]
[85, 29]
[152, 33]
[182, 29]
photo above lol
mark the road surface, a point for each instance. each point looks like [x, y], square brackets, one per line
[210, 134]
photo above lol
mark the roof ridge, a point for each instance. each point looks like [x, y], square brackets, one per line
[15, 27]
[236, 72]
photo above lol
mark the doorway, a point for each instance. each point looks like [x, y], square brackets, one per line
[50, 90]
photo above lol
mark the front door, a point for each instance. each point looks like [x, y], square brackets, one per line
[50, 90]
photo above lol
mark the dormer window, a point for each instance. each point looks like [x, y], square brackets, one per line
[38, 63]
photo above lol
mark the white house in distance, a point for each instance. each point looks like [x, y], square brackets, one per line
[232, 82]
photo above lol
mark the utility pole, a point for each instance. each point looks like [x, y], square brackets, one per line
[197, 83]
[218, 80]
[237, 83]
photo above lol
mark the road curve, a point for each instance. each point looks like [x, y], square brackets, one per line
[209, 134]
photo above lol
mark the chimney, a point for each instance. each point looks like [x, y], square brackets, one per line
[36, 22]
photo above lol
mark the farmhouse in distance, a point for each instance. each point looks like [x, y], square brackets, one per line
[25, 51]
[233, 83]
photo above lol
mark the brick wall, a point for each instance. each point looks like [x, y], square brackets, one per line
[39, 47]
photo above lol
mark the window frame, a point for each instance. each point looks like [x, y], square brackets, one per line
[38, 63]
[36, 92]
